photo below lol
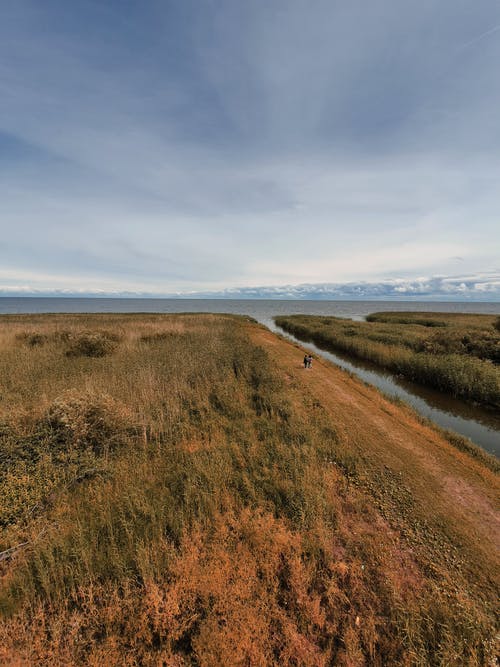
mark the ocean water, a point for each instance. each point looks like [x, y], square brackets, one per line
[481, 426]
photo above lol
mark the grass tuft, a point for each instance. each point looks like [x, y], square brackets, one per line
[32, 338]
[91, 344]
[85, 420]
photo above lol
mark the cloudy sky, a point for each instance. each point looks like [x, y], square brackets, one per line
[164, 146]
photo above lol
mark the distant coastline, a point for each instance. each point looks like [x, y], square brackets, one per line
[263, 310]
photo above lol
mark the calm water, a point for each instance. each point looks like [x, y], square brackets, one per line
[481, 426]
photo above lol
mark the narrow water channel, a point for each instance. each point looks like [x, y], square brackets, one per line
[481, 426]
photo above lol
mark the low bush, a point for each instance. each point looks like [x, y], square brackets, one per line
[91, 344]
[85, 420]
[32, 338]
[76, 433]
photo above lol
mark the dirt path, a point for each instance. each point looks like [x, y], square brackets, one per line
[390, 440]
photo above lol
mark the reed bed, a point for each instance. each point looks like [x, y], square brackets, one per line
[174, 501]
[455, 353]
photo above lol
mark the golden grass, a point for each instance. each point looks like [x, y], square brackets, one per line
[180, 503]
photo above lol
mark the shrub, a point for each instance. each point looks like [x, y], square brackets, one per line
[32, 338]
[85, 420]
[92, 344]
[58, 447]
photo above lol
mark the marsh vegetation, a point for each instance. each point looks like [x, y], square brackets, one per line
[170, 496]
[458, 354]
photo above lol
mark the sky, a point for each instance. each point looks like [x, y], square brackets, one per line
[200, 146]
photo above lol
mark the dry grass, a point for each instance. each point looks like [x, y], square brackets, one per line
[179, 503]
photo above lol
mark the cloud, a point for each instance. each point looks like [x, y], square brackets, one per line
[195, 146]
[471, 287]
[480, 287]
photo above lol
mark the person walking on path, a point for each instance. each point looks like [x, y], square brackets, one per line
[309, 361]
[305, 360]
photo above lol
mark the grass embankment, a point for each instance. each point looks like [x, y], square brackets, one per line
[181, 500]
[455, 353]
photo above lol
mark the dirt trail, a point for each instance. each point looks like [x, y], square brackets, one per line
[390, 439]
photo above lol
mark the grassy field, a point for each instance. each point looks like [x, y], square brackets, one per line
[456, 353]
[174, 493]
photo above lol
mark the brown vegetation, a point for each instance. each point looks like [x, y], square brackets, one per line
[182, 501]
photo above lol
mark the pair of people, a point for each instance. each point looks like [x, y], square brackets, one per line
[308, 360]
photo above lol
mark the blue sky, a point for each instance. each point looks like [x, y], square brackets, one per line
[170, 147]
